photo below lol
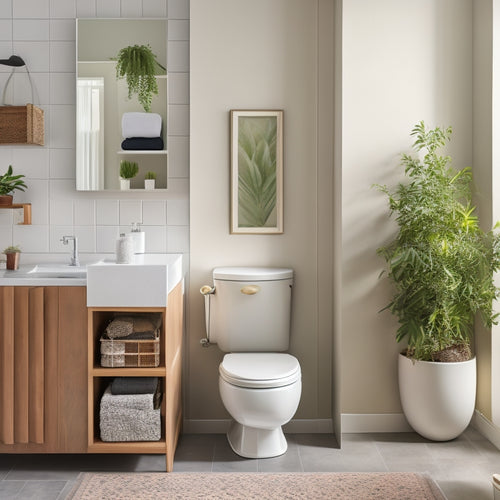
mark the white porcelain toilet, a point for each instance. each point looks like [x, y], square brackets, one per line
[247, 314]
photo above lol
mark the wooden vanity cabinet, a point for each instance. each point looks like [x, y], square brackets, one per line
[43, 369]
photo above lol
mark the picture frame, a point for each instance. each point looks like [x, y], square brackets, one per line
[256, 171]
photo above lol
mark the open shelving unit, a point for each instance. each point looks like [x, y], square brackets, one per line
[168, 371]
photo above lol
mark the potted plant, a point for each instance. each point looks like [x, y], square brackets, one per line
[441, 264]
[128, 170]
[8, 184]
[149, 180]
[138, 65]
[12, 254]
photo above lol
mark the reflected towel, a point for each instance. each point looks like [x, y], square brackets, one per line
[142, 144]
[141, 125]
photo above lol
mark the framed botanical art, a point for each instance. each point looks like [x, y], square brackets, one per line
[256, 171]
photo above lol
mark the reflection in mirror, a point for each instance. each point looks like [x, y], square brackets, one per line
[104, 108]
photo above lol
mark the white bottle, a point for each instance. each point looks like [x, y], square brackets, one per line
[139, 237]
[124, 249]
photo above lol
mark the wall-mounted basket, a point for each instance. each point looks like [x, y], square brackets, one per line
[21, 125]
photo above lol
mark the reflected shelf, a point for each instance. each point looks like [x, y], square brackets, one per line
[142, 152]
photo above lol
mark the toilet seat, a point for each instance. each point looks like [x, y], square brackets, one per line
[259, 370]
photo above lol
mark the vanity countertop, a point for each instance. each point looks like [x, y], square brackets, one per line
[146, 281]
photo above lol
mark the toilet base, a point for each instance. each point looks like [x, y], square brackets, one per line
[250, 442]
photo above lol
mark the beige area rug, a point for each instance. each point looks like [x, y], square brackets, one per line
[258, 486]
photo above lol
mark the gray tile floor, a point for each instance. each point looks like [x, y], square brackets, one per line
[462, 468]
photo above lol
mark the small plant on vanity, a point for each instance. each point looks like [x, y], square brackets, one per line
[149, 180]
[128, 170]
[8, 184]
[12, 254]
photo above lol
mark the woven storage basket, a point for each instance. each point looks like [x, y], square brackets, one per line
[119, 353]
[21, 125]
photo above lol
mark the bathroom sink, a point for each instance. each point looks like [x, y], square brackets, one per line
[58, 271]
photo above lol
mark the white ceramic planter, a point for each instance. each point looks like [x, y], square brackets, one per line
[149, 184]
[124, 184]
[438, 398]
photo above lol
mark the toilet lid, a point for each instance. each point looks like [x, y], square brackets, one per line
[259, 370]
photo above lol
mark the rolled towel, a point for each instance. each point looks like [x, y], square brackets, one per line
[134, 385]
[120, 327]
[142, 144]
[146, 323]
[141, 125]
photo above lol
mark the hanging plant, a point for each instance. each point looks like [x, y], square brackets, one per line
[138, 65]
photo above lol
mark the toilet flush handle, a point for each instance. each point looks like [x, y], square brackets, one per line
[250, 289]
[207, 290]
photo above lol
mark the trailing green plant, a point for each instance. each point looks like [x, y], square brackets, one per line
[12, 249]
[138, 65]
[257, 172]
[441, 262]
[9, 182]
[128, 169]
[150, 175]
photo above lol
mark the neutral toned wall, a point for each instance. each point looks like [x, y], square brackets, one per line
[261, 55]
[403, 61]
[482, 161]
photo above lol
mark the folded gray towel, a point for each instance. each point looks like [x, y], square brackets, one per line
[134, 385]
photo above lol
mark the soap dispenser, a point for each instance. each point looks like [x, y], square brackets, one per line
[139, 238]
[124, 249]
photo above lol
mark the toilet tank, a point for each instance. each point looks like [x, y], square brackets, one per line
[250, 309]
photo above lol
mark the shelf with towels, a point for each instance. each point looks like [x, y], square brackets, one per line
[168, 371]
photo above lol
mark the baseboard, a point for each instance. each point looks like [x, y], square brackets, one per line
[374, 422]
[296, 426]
[489, 430]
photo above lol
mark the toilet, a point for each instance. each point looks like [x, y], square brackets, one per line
[247, 313]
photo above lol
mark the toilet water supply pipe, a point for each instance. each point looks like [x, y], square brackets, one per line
[207, 291]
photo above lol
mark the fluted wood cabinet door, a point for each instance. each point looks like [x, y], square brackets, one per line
[42, 331]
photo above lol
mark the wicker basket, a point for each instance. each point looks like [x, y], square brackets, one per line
[21, 125]
[119, 353]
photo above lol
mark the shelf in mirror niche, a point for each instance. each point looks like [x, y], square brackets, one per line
[142, 152]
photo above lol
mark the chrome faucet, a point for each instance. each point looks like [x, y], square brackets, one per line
[74, 257]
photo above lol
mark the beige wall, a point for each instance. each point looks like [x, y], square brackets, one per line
[398, 62]
[403, 61]
[262, 54]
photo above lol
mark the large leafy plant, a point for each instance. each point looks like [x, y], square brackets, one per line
[138, 65]
[257, 172]
[441, 262]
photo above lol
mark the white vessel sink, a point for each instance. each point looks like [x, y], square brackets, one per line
[144, 283]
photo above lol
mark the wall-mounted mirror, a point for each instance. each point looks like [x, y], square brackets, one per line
[110, 126]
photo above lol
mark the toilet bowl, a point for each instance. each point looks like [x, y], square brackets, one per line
[261, 391]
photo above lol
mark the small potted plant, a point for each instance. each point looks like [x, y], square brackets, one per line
[138, 65]
[8, 184]
[128, 170]
[149, 180]
[12, 254]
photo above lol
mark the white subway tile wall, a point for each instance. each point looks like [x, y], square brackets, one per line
[42, 32]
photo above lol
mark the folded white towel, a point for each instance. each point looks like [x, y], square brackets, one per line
[141, 125]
